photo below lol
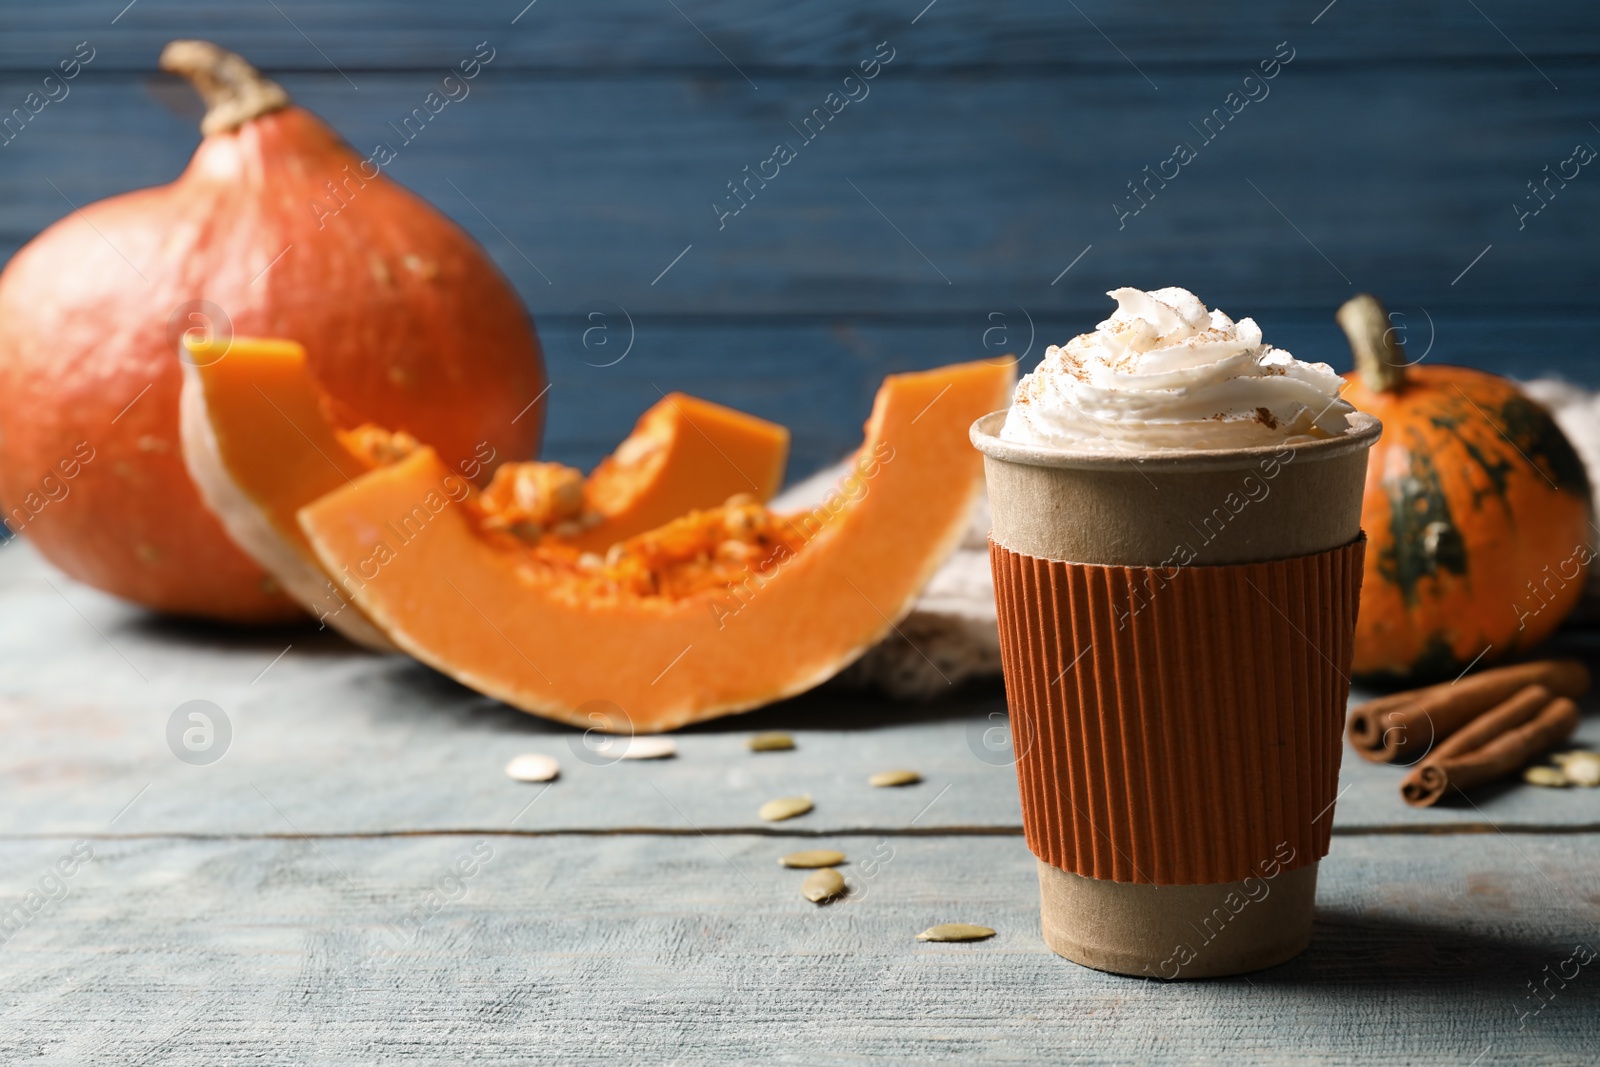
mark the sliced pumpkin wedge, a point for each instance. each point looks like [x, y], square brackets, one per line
[258, 446]
[260, 441]
[719, 611]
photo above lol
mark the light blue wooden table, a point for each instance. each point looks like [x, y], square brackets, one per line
[300, 899]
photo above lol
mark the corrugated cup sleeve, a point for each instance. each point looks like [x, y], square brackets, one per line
[1182, 725]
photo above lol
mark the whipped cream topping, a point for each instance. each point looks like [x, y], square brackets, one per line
[1164, 372]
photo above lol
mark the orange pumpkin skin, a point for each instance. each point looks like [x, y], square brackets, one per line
[1477, 515]
[410, 325]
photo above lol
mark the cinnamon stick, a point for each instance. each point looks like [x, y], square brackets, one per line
[1496, 744]
[1407, 724]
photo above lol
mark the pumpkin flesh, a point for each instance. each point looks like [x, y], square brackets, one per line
[260, 443]
[690, 632]
[684, 453]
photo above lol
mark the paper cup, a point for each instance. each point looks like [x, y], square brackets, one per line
[1176, 629]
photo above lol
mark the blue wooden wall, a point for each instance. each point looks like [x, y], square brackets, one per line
[933, 218]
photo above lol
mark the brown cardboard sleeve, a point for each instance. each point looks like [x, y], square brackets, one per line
[1178, 725]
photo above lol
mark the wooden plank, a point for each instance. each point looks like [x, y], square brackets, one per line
[327, 740]
[628, 35]
[645, 949]
[936, 194]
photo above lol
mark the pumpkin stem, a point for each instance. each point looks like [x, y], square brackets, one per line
[233, 90]
[1380, 357]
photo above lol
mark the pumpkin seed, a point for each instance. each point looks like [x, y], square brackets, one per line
[648, 748]
[812, 857]
[771, 742]
[822, 885]
[784, 808]
[955, 932]
[1554, 777]
[1582, 768]
[889, 778]
[533, 767]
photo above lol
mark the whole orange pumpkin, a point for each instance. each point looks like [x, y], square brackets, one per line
[276, 228]
[1476, 512]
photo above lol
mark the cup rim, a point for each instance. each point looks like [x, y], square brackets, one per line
[985, 436]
